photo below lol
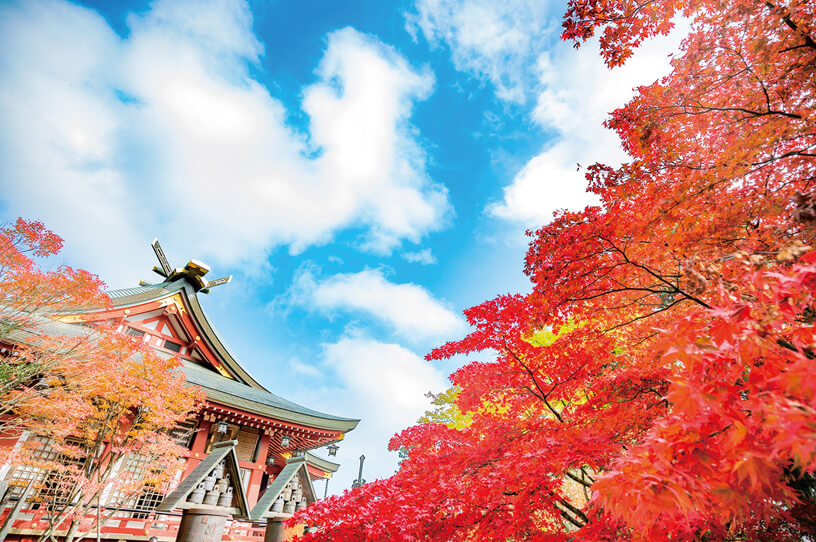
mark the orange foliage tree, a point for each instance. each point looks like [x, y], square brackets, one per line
[99, 400]
[29, 297]
[680, 390]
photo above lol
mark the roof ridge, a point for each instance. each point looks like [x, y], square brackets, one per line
[135, 290]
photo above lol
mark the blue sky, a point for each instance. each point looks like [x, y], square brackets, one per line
[365, 169]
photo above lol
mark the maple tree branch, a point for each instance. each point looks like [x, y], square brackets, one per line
[672, 287]
[786, 18]
[618, 290]
[703, 109]
[569, 518]
[575, 510]
[625, 15]
[542, 396]
[584, 473]
[795, 47]
[644, 339]
[781, 156]
[789, 346]
[642, 316]
[579, 520]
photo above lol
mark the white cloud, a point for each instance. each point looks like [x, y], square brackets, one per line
[388, 375]
[578, 93]
[409, 309]
[424, 257]
[495, 41]
[112, 140]
[547, 183]
[303, 369]
[510, 43]
[384, 384]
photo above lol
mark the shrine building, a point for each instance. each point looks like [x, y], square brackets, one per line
[273, 436]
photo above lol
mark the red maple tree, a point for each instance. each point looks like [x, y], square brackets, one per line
[678, 390]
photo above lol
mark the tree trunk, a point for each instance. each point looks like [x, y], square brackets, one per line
[72, 531]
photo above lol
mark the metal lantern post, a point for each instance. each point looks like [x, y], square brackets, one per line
[359, 481]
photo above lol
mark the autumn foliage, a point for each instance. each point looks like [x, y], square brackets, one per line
[29, 297]
[95, 397]
[678, 388]
[27, 291]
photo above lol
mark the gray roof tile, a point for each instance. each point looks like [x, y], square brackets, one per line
[241, 395]
[127, 292]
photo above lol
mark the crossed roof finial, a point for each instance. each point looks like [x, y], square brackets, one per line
[194, 271]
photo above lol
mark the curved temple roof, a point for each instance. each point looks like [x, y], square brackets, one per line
[223, 390]
[244, 392]
[153, 292]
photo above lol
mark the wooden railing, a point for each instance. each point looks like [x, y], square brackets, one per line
[30, 523]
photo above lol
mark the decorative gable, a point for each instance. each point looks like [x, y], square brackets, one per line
[215, 482]
[291, 491]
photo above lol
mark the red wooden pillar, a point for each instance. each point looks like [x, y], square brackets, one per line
[263, 453]
[254, 486]
[199, 445]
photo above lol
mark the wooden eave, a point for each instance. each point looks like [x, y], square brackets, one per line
[320, 463]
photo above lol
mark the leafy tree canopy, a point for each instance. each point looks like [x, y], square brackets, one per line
[684, 404]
